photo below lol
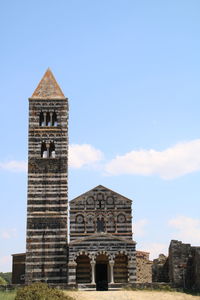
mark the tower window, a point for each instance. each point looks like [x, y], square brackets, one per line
[52, 152]
[42, 119]
[44, 152]
[48, 119]
[54, 119]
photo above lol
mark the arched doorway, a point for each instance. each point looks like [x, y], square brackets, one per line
[102, 272]
[121, 269]
[83, 269]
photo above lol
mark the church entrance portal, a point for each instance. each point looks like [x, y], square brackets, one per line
[102, 273]
[101, 277]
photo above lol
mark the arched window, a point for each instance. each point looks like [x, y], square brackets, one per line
[42, 119]
[52, 152]
[54, 119]
[48, 119]
[100, 225]
[44, 152]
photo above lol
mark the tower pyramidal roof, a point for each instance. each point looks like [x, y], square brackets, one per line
[48, 88]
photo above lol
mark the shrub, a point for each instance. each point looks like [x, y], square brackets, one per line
[40, 291]
[2, 281]
[7, 276]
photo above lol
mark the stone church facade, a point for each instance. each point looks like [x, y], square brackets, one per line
[101, 251]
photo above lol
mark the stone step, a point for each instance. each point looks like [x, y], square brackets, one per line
[86, 287]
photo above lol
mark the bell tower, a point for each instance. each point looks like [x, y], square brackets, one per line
[46, 243]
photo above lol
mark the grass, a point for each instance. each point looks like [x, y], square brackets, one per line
[9, 295]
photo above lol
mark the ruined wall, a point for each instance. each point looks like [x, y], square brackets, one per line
[196, 268]
[179, 255]
[160, 269]
[181, 268]
[143, 267]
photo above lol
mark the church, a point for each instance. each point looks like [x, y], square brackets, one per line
[101, 251]
[98, 252]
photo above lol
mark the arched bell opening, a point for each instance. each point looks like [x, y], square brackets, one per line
[41, 119]
[52, 152]
[121, 269]
[54, 119]
[44, 152]
[83, 269]
[102, 272]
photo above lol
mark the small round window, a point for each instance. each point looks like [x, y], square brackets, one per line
[121, 218]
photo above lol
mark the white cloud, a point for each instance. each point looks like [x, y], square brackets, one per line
[181, 159]
[139, 227]
[154, 249]
[79, 156]
[8, 233]
[14, 166]
[173, 162]
[186, 229]
[82, 155]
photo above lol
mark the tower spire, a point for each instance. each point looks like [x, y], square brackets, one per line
[48, 88]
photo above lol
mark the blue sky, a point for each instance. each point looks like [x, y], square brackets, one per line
[131, 72]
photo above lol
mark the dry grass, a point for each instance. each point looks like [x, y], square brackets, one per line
[130, 295]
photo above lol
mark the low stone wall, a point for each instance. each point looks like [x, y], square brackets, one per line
[149, 285]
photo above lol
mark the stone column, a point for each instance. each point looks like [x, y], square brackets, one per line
[111, 263]
[132, 271]
[45, 118]
[93, 263]
[72, 272]
[48, 145]
[51, 119]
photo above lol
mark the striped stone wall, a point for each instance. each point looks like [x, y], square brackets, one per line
[121, 269]
[119, 252]
[46, 254]
[83, 270]
[100, 210]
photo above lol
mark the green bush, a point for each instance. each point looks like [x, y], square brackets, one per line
[2, 281]
[7, 276]
[40, 291]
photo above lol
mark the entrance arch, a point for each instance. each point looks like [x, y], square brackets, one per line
[83, 269]
[121, 269]
[102, 272]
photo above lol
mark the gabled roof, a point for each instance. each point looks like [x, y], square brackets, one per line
[98, 235]
[98, 187]
[48, 88]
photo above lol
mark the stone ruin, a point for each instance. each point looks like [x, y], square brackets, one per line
[181, 269]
